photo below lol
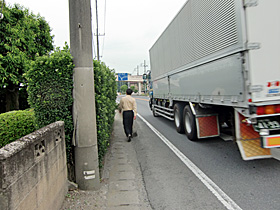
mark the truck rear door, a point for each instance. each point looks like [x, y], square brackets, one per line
[263, 33]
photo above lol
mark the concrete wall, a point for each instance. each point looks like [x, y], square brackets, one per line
[33, 172]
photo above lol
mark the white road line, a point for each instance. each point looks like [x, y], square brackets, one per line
[222, 197]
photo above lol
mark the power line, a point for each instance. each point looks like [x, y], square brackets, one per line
[105, 11]
[105, 6]
[97, 34]
[93, 45]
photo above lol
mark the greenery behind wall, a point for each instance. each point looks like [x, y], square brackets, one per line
[16, 124]
[50, 85]
[29, 69]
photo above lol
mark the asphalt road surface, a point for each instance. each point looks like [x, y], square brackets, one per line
[206, 174]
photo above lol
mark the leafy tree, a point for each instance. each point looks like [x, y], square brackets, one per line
[123, 88]
[133, 89]
[23, 36]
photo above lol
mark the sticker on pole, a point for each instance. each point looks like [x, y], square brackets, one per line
[89, 174]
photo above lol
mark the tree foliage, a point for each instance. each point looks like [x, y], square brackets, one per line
[123, 89]
[133, 89]
[23, 36]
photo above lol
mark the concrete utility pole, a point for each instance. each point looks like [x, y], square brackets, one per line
[84, 114]
[144, 65]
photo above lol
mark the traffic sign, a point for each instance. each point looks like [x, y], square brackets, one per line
[122, 76]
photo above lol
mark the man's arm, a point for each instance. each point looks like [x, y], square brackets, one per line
[134, 109]
[120, 106]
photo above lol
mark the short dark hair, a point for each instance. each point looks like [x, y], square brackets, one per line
[129, 91]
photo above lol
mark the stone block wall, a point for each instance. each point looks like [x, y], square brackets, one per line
[33, 171]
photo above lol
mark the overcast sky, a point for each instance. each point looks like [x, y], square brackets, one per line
[131, 27]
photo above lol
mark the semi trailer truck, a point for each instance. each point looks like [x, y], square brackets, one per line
[216, 72]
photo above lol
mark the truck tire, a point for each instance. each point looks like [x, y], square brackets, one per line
[190, 124]
[178, 117]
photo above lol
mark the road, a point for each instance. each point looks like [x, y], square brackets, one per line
[230, 182]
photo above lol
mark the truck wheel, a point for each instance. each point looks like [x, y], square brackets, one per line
[178, 117]
[189, 124]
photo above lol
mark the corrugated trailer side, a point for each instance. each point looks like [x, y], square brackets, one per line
[201, 33]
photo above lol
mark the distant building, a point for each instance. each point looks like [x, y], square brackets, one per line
[131, 80]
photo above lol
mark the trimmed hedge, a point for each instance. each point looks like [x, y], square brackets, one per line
[105, 101]
[50, 85]
[16, 124]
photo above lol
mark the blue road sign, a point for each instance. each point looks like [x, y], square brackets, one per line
[122, 76]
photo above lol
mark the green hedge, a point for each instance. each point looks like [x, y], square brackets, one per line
[15, 124]
[50, 85]
[105, 100]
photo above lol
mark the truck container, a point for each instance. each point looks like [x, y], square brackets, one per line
[216, 73]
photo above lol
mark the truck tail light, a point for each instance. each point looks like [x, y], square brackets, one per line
[260, 110]
[277, 109]
[269, 109]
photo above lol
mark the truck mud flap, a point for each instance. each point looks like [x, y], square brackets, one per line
[207, 126]
[248, 140]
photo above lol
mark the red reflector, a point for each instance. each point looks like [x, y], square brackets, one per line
[250, 100]
[260, 110]
[277, 109]
[269, 84]
[271, 141]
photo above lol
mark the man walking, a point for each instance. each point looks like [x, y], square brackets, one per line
[128, 107]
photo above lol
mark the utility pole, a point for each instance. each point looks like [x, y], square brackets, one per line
[144, 65]
[84, 113]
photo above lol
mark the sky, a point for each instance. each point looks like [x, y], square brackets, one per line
[131, 27]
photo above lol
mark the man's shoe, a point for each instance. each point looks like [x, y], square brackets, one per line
[129, 138]
[134, 134]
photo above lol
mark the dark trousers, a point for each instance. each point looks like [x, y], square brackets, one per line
[128, 122]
